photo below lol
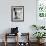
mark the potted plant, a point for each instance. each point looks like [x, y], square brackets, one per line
[34, 26]
[42, 27]
[38, 27]
[39, 35]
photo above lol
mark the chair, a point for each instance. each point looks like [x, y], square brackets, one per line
[7, 35]
[14, 32]
[26, 41]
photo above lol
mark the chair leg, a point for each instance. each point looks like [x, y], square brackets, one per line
[5, 40]
[5, 43]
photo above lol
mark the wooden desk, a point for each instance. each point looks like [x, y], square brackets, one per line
[17, 43]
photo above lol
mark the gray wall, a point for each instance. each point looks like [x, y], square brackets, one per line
[29, 15]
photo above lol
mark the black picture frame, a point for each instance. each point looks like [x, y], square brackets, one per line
[17, 13]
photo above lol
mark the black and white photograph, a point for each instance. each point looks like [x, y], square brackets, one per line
[17, 13]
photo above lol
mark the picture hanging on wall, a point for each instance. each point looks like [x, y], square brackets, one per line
[17, 13]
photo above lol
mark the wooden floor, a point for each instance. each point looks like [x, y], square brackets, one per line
[13, 44]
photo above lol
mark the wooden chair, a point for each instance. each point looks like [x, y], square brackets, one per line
[8, 34]
[25, 36]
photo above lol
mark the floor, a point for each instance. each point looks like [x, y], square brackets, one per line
[13, 44]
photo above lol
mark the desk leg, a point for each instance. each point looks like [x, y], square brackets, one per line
[5, 43]
[17, 40]
[5, 40]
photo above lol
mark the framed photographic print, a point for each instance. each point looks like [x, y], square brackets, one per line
[17, 13]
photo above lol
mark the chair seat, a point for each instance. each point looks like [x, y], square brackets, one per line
[9, 34]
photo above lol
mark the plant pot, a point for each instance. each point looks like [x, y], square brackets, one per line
[40, 41]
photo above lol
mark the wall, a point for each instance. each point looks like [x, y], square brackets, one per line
[29, 15]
